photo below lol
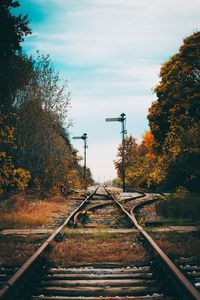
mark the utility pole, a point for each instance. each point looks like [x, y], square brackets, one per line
[121, 119]
[84, 138]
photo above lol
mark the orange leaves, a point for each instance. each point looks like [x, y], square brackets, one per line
[139, 160]
[148, 142]
[148, 139]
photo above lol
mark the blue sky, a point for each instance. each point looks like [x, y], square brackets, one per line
[110, 52]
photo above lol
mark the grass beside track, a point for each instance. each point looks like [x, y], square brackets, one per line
[178, 245]
[16, 250]
[172, 210]
[20, 213]
[180, 205]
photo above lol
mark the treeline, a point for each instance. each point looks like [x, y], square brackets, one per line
[169, 155]
[35, 149]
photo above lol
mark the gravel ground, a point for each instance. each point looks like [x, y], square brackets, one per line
[148, 214]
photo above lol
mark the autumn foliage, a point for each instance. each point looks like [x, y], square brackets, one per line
[10, 176]
[35, 148]
[175, 119]
[169, 155]
[139, 160]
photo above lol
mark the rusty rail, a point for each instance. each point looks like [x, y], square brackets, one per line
[15, 282]
[78, 214]
[178, 279]
[96, 206]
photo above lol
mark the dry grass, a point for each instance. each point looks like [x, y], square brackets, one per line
[179, 244]
[16, 250]
[22, 214]
[18, 213]
[98, 248]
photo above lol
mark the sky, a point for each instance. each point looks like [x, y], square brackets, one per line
[110, 52]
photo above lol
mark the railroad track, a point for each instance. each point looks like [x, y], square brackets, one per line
[101, 281]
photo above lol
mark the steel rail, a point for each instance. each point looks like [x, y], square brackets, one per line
[17, 278]
[135, 191]
[77, 215]
[96, 206]
[142, 194]
[183, 285]
[108, 202]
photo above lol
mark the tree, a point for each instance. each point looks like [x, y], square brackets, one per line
[12, 76]
[43, 145]
[10, 176]
[134, 154]
[89, 178]
[34, 138]
[130, 149]
[174, 118]
[13, 29]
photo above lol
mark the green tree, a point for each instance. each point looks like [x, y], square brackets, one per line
[175, 118]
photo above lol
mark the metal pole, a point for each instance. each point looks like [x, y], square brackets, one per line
[84, 168]
[84, 138]
[123, 118]
[84, 174]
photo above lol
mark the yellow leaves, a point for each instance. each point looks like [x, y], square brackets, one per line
[21, 178]
[150, 155]
[10, 176]
[6, 168]
[158, 173]
[139, 160]
[74, 180]
[6, 132]
[175, 151]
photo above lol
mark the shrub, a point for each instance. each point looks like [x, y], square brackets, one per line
[180, 205]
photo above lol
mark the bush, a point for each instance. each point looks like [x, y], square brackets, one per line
[180, 205]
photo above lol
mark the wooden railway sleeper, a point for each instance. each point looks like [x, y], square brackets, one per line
[12, 288]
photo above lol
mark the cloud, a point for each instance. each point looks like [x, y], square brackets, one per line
[91, 32]
[139, 72]
[111, 52]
